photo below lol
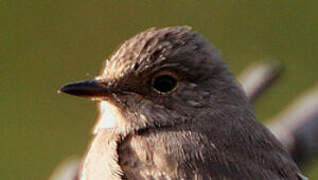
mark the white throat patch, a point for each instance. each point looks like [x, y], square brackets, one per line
[108, 116]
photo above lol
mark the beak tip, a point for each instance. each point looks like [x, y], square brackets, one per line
[59, 91]
[63, 89]
[72, 89]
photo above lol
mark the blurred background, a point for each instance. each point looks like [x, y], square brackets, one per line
[45, 44]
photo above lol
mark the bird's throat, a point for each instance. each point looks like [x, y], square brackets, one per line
[109, 116]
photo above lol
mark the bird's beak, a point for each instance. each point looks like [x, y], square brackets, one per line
[90, 88]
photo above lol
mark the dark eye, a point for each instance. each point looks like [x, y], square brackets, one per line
[164, 83]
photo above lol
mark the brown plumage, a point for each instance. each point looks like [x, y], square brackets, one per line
[171, 109]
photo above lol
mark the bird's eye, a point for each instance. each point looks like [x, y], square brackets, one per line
[164, 83]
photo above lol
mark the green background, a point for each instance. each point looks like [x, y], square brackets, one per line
[45, 44]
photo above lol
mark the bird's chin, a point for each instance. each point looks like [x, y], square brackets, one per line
[99, 99]
[109, 115]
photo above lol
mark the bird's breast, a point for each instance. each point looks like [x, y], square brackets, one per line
[101, 161]
[143, 158]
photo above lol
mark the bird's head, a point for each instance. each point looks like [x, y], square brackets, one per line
[160, 77]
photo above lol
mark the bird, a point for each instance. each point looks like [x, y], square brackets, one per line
[171, 109]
